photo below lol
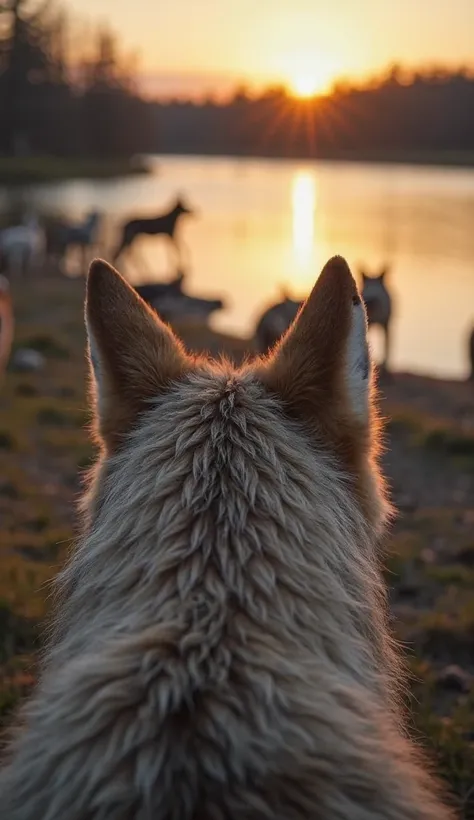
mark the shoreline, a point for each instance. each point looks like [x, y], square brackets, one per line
[18, 171]
[433, 159]
[39, 170]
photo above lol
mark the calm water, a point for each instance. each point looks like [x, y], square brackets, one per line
[263, 224]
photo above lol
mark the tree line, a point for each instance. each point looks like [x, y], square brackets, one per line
[420, 114]
[68, 90]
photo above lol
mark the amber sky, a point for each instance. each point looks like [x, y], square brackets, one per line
[191, 43]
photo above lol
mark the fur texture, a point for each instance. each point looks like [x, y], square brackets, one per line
[220, 648]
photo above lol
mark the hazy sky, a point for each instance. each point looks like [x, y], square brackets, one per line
[294, 41]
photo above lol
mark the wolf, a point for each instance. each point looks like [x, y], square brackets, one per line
[220, 646]
[22, 247]
[378, 304]
[275, 321]
[164, 224]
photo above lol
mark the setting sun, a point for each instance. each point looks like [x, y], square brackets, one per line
[304, 86]
[311, 75]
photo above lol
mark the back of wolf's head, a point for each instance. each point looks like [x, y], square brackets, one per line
[221, 648]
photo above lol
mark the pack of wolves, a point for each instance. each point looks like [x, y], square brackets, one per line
[22, 246]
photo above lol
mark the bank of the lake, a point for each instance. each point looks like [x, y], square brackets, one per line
[31, 170]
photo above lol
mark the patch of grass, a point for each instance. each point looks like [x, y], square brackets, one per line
[442, 437]
[48, 345]
[21, 170]
[450, 442]
[452, 574]
[52, 417]
[26, 390]
[8, 490]
[444, 741]
[38, 524]
[16, 633]
[7, 441]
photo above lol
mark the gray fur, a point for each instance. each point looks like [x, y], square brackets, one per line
[220, 647]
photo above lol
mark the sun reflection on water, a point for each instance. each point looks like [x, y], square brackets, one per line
[303, 200]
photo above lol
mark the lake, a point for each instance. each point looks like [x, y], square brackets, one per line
[262, 225]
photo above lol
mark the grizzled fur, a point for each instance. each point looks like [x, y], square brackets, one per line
[220, 646]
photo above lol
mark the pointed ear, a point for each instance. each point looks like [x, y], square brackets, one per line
[321, 368]
[133, 355]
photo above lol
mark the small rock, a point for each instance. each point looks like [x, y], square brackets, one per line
[455, 679]
[26, 359]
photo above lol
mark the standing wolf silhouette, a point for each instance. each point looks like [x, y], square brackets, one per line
[274, 321]
[220, 647]
[164, 225]
[378, 304]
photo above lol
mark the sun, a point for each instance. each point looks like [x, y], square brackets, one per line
[304, 86]
[310, 75]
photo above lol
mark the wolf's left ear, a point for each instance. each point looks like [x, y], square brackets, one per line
[321, 369]
[133, 355]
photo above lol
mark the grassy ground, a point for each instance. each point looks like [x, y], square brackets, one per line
[29, 170]
[430, 556]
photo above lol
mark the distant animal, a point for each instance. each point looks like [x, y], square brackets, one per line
[21, 246]
[378, 304]
[27, 360]
[7, 323]
[61, 236]
[275, 321]
[152, 292]
[170, 301]
[221, 647]
[186, 308]
[164, 225]
[471, 354]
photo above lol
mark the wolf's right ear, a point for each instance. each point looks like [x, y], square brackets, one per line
[321, 369]
[133, 355]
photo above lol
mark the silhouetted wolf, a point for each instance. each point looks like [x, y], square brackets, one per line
[274, 322]
[221, 648]
[164, 225]
[378, 304]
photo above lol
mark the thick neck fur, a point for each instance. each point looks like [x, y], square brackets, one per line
[231, 508]
[221, 648]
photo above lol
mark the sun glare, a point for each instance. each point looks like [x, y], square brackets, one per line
[310, 76]
[304, 86]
